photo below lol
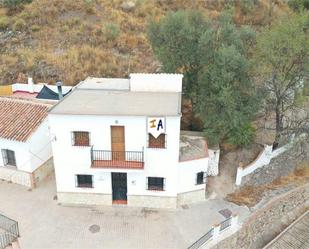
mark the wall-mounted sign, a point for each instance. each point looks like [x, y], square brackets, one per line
[156, 126]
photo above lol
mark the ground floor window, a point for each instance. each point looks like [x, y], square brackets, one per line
[200, 178]
[155, 183]
[8, 157]
[84, 181]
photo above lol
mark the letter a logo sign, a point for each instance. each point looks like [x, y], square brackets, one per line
[156, 126]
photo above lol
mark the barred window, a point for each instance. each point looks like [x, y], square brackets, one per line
[155, 183]
[158, 142]
[80, 138]
[200, 178]
[8, 157]
[84, 181]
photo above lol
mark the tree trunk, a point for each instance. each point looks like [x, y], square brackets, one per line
[279, 124]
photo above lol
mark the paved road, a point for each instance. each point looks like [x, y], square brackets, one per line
[46, 225]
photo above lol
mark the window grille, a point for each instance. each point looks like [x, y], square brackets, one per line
[80, 138]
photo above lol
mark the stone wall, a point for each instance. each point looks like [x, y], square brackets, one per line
[43, 171]
[190, 197]
[152, 201]
[16, 176]
[257, 229]
[281, 165]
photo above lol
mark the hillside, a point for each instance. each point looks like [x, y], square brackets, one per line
[73, 39]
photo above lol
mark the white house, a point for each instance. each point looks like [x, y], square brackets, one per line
[118, 141]
[24, 141]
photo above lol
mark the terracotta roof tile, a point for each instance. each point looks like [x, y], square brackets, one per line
[20, 118]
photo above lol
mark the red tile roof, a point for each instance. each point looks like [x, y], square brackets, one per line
[19, 118]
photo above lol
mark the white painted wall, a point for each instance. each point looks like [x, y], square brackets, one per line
[39, 146]
[263, 159]
[32, 153]
[187, 172]
[37, 87]
[71, 160]
[156, 82]
[22, 155]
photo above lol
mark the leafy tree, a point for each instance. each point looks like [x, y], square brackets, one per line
[175, 41]
[281, 58]
[212, 57]
[227, 99]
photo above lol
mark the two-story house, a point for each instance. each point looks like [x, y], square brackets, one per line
[117, 141]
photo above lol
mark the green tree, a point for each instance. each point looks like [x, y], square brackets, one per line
[227, 100]
[281, 58]
[212, 57]
[175, 42]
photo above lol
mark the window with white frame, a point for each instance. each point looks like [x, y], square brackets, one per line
[156, 183]
[200, 178]
[80, 138]
[84, 181]
[8, 157]
[159, 142]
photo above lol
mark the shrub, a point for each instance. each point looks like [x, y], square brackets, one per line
[35, 28]
[19, 24]
[13, 4]
[4, 22]
[111, 31]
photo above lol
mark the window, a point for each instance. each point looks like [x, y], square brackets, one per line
[8, 157]
[84, 181]
[158, 142]
[80, 138]
[200, 178]
[155, 183]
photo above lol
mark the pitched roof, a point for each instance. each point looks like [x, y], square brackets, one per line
[19, 118]
[122, 103]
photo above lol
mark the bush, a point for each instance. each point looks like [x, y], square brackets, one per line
[19, 24]
[13, 4]
[111, 31]
[4, 22]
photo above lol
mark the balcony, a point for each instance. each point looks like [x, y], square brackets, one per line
[117, 159]
[9, 231]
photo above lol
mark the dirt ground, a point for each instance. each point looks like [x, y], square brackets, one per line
[224, 183]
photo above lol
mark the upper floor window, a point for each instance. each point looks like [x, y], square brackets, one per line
[158, 142]
[155, 183]
[84, 181]
[80, 138]
[8, 157]
[200, 178]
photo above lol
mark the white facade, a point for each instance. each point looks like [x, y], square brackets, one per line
[29, 156]
[70, 160]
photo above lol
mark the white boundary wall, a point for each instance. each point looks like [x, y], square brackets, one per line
[36, 88]
[263, 159]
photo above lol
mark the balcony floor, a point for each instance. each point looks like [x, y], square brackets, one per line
[117, 164]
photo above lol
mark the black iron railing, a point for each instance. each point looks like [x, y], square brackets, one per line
[122, 159]
[225, 224]
[9, 231]
[201, 241]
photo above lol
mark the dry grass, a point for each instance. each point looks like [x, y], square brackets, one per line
[251, 195]
[69, 39]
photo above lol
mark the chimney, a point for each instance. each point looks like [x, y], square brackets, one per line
[59, 87]
[30, 85]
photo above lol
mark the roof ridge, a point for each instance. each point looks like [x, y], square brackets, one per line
[25, 101]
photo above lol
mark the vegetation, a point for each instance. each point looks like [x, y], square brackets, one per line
[212, 57]
[282, 59]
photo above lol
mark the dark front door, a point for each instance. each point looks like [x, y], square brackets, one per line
[119, 186]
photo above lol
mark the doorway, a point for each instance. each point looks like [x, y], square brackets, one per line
[118, 143]
[119, 187]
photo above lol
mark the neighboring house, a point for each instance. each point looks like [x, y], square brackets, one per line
[24, 141]
[117, 141]
[34, 91]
